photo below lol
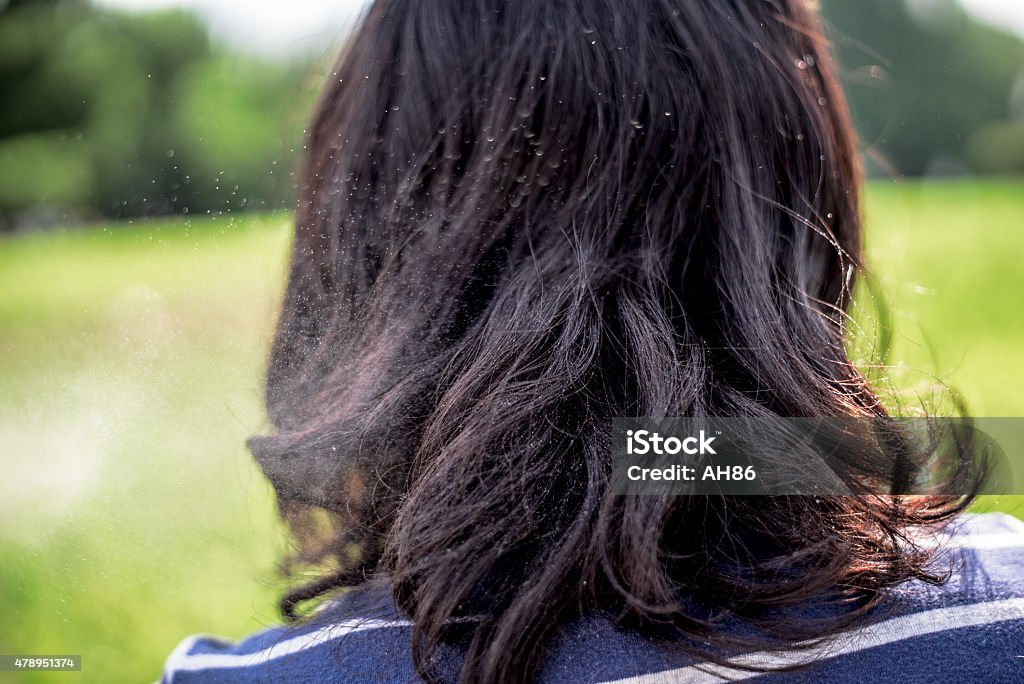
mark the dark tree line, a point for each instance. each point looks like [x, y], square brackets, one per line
[932, 91]
[110, 114]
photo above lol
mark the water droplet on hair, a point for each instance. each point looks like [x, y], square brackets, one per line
[668, 113]
[829, 215]
[822, 101]
[635, 123]
[801, 64]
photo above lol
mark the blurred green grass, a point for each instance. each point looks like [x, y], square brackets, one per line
[130, 512]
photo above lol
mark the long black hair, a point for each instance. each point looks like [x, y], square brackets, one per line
[518, 220]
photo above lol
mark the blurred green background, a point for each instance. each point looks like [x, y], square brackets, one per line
[146, 171]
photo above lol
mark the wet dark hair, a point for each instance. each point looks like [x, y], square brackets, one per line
[520, 219]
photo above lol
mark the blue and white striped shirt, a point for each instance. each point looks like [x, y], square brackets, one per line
[971, 629]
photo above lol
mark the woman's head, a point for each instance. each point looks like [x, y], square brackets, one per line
[519, 220]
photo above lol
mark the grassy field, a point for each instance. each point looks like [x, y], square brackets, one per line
[130, 514]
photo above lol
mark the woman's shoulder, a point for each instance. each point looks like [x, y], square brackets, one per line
[969, 627]
[359, 637]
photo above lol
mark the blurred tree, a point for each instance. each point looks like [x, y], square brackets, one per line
[924, 79]
[235, 124]
[998, 148]
[126, 114]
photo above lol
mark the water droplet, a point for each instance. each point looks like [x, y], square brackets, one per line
[668, 113]
[822, 101]
[829, 215]
[801, 64]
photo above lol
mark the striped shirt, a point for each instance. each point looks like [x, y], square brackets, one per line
[970, 629]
